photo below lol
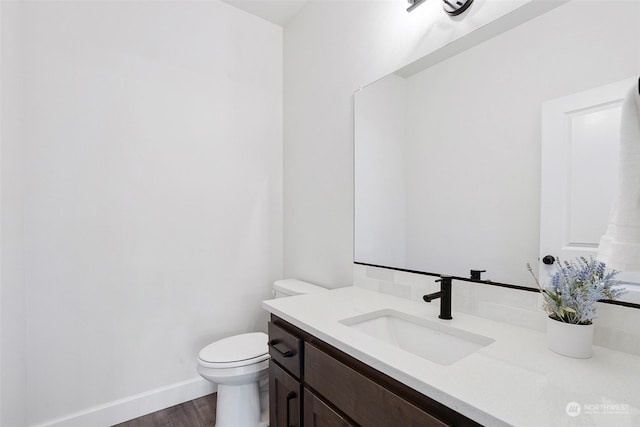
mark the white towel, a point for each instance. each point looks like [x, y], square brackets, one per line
[620, 246]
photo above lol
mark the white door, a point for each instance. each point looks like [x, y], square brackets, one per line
[579, 158]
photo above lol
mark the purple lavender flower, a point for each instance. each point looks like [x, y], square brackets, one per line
[575, 288]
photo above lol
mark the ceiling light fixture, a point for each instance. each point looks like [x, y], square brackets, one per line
[452, 7]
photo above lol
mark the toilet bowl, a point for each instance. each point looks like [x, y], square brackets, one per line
[239, 365]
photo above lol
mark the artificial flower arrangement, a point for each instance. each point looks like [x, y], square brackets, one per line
[574, 289]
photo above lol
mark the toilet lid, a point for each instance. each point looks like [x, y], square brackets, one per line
[236, 348]
[296, 287]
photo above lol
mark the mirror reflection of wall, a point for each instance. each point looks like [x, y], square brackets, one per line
[380, 165]
[448, 159]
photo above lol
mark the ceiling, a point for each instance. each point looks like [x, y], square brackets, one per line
[280, 12]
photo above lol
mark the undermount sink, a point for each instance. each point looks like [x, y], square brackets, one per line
[434, 341]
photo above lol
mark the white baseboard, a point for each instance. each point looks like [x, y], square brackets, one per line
[135, 406]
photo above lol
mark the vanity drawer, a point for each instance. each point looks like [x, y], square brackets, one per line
[285, 348]
[363, 400]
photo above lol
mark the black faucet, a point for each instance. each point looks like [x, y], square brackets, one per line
[444, 295]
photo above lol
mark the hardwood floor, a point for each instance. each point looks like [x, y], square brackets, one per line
[195, 413]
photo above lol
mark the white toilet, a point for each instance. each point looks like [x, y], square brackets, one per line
[240, 366]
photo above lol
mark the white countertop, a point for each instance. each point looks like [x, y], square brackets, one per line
[514, 381]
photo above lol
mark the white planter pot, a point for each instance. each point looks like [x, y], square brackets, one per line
[570, 340]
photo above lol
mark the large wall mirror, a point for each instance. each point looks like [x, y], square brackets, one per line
[448, 159]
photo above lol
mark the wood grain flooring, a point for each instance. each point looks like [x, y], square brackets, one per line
[195, 413]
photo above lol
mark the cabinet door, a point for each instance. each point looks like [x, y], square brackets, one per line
[318, 414]
[285, 395]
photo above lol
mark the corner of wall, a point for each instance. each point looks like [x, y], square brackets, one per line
[12, 291]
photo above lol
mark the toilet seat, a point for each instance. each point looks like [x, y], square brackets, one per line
[236, 364]
[235, 351]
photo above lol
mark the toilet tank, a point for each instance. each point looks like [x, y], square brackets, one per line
[289, 287]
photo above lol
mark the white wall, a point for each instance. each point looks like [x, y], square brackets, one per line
[332, 49]
[12, 291]
[380, 130]
[153, 193]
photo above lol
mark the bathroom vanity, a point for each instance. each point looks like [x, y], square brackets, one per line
[314, 384]
[326, 371]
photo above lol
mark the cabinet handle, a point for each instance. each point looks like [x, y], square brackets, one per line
[292, 395]
[277, 346]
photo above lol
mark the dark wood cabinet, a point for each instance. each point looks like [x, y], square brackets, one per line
[285, 348]
[285, 398]
[313, 383]
[319, 414]
[363, 400]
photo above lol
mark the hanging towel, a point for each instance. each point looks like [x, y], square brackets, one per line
[620, 246]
